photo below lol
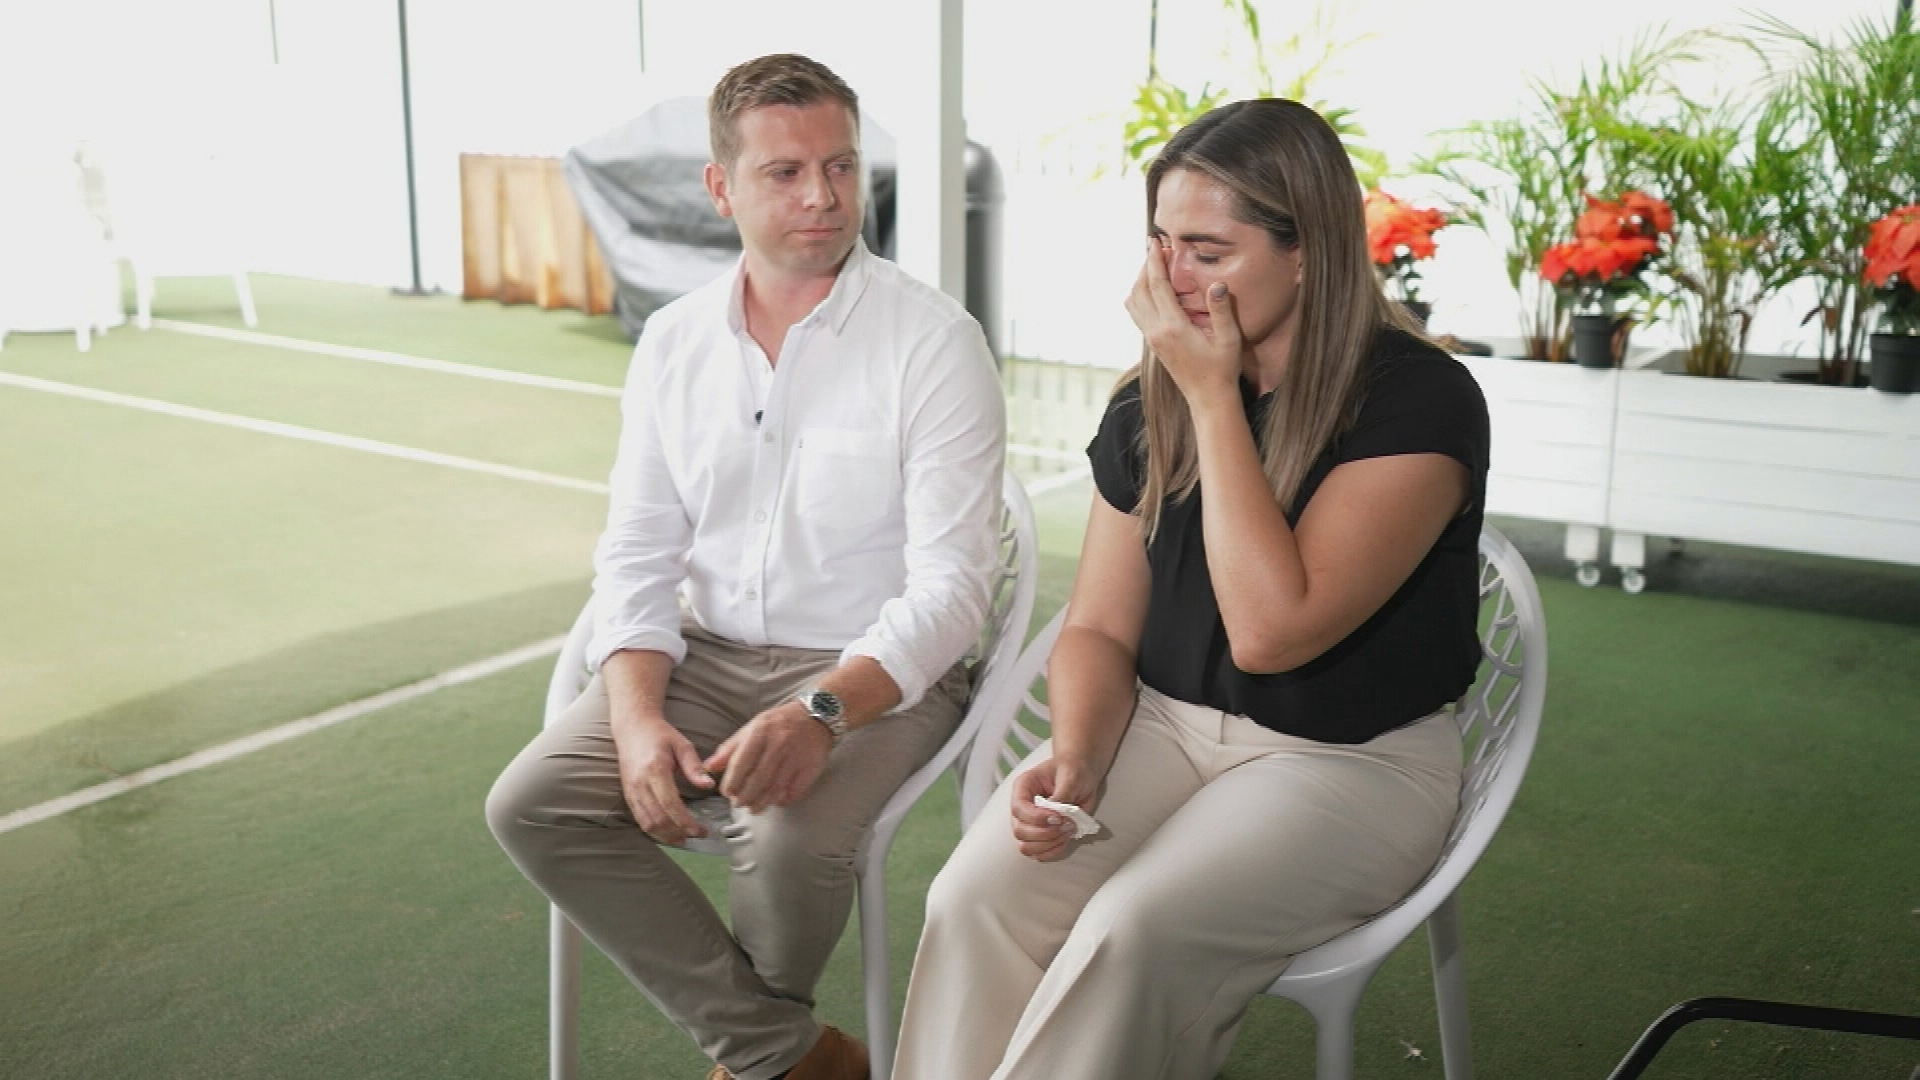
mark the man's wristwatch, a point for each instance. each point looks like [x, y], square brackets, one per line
[824, 706]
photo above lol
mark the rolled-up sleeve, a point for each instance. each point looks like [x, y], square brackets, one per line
[642, 557]
[954, 437]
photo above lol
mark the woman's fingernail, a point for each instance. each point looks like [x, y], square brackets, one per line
[1053, 821]
[1218, 290]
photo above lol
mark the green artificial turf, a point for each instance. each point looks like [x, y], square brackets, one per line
[1722, 802]
[562, 343]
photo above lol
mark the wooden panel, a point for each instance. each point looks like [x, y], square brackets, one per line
[1547, 499]
[1856, 496]
[1552, 438]
[523, 238]
[1772, 446]
[1533, 380]
[1770, 405]
[1791, 530]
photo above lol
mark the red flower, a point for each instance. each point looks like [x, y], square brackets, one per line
[1636, 214]
[1602, 221]
[1395, 229]
[1593, 261]
[1656, 216]
[1893, 249]
[1613, 242]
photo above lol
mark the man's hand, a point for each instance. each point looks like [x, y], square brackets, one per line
[651, 753]
[774, 760]
[1042, 834]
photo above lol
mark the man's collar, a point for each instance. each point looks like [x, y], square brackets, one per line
[834, 311]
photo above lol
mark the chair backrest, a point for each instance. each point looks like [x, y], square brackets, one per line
[1499, 719]
[1010, 607]
[995, 659]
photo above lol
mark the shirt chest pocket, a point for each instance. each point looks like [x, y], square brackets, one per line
[845, 478]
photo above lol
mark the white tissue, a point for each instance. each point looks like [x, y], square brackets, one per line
[1082, 822]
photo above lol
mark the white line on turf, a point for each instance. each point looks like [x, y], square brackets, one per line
[273, 736]
[378, 356]
[290, 431]
[472, 371]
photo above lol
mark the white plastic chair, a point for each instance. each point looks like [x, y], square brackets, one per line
[1500, 719]
[993, 667]
[57, 271]
[176, 212]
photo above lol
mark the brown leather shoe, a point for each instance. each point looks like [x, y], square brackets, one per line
[836, 1055]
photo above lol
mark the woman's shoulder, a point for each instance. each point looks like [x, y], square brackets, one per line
[1418, 399]
[1408, 368]
[1123, 416]
[1114, 453]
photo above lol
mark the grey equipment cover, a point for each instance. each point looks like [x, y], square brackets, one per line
[639, 187]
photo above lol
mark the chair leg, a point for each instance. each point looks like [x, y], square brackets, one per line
[563, 998]
[1333, 1037]
[873, 963]
[245, 292]
[1450, 989]
[142, 298]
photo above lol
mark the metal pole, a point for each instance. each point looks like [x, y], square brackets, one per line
[273, 30]
[640, 15]
[1153, 40]
[406, 119]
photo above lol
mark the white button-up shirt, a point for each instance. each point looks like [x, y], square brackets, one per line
[847, 498]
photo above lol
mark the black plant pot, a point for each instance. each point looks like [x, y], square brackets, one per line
[1599, 340]
[1896, 363]
[1420, 309]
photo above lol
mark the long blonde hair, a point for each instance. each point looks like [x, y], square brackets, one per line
[1291, 177]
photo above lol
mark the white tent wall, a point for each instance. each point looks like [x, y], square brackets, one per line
[312, 139]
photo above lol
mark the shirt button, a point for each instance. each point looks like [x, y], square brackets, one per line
[767, 438]
[760, 516]
[752, 594]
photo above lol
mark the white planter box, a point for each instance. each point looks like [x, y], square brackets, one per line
[1552, 446]
[1817, 469]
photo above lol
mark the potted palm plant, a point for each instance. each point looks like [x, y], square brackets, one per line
[1523, 180]
[1726, 175]
[1850, 106]
[1893, 272]
[1601, 268]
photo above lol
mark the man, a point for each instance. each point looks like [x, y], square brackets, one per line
[811, 454]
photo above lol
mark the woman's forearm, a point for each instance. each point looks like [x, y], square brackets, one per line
[1090, 693]
[1252, 554]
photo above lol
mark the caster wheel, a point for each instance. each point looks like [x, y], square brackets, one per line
[1587, 574]
[1633, 581]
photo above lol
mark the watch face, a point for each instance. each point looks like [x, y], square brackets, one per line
[823, 704]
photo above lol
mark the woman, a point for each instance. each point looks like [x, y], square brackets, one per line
[1275, 608]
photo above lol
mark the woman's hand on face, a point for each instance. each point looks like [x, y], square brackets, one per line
[1042, 834]
[1202, 361]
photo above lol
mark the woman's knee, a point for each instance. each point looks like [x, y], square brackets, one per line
[967, 888]
[1139, 929]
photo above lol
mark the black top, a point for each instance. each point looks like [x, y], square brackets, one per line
[1417, 653]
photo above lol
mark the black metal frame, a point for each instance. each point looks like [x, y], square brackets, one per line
[1775, 1013]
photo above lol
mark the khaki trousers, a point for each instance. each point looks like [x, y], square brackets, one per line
[1228, 849]
[747, 996]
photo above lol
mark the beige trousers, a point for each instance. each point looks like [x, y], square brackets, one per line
[745, 996]
[1228, 849]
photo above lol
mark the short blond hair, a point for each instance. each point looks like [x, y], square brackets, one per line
[780, 79]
